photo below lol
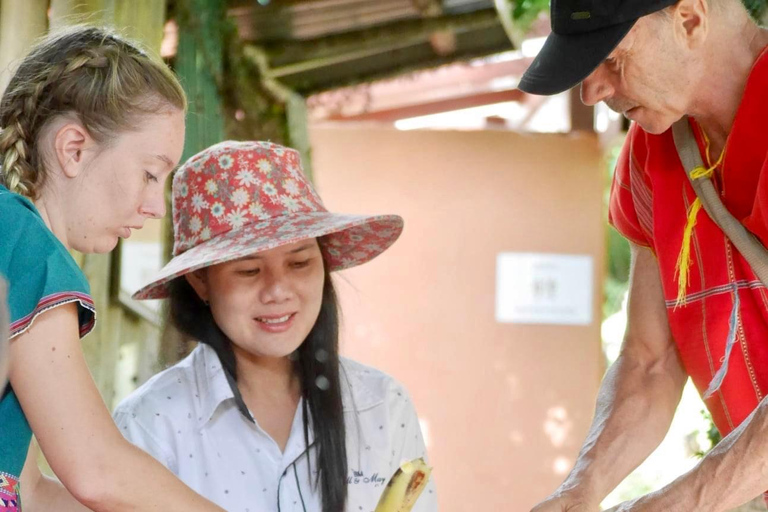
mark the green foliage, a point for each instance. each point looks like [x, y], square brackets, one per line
[713, 435]
[613, 294]
[525, 12]
[757, 8]
[617, 275]
[636, 484]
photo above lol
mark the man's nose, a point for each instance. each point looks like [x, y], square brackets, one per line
[596, 87]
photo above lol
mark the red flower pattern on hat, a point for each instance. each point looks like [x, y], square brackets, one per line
[239, 198]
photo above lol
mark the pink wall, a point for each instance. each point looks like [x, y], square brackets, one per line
[505, 406]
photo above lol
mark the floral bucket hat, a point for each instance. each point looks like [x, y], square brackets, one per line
[235, 199]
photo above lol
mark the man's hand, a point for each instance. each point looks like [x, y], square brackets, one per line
[567, 501]
[559, 503]
[627, 506]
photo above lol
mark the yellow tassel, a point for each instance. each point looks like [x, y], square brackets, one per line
[702, 172]
[683, 267]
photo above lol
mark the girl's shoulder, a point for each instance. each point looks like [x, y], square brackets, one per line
[40, 272]
[21, 221]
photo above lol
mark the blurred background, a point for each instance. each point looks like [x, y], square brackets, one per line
[502, 304]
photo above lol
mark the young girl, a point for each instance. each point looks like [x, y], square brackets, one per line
[264, 415]
[91, 128]
[3, 335]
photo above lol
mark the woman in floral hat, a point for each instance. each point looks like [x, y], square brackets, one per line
[264, 415]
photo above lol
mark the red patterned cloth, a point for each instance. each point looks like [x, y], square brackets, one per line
[9, 493]
[649, 203]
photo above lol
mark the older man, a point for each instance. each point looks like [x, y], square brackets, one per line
[657, 61]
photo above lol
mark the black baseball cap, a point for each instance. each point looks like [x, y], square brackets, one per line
[584, 33]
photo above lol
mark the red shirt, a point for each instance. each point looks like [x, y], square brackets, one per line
[650, 197]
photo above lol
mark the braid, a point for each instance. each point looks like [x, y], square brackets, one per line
[17, 174]
[25, 105]
[104, 80]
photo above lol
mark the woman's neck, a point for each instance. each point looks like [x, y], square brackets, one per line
[271, 390]
[269, 376]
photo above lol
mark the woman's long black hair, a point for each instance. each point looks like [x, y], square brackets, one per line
[316, 363]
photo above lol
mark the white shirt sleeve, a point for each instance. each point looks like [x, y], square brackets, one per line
[132, 429]
[411, 442]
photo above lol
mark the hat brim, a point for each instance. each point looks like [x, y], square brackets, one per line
[565, 60]
[347, 241]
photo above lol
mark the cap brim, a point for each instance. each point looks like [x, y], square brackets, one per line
[348, 241]
[566, 60]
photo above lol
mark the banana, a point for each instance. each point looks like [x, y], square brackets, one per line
[405, 487]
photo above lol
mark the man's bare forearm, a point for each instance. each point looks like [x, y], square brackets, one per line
[637, 399]
[733, 473]
[635, 407]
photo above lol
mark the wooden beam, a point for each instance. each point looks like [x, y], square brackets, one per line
[424, 86]
[281, 22]
[436, 107]
[476, 44]
[296, 114]
[428, 8]
[289, 58]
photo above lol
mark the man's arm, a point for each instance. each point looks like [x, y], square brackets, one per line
[637, 399]
[733, 473]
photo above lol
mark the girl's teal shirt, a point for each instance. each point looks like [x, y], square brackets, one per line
[41, 275]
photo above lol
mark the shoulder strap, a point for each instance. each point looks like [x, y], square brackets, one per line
[744, 241]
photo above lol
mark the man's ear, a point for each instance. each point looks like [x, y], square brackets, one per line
[70, 143]
[199, 282]
[691, 19]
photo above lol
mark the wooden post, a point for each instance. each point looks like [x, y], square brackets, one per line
[582, 116]
[515, 33]
[72, 12]
[142, 20]
[199, 63]
[21, 23]
[296, 118]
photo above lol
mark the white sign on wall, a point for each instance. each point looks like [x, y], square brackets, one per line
[536, 288]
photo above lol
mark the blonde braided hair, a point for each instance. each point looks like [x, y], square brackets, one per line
[103, 79]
